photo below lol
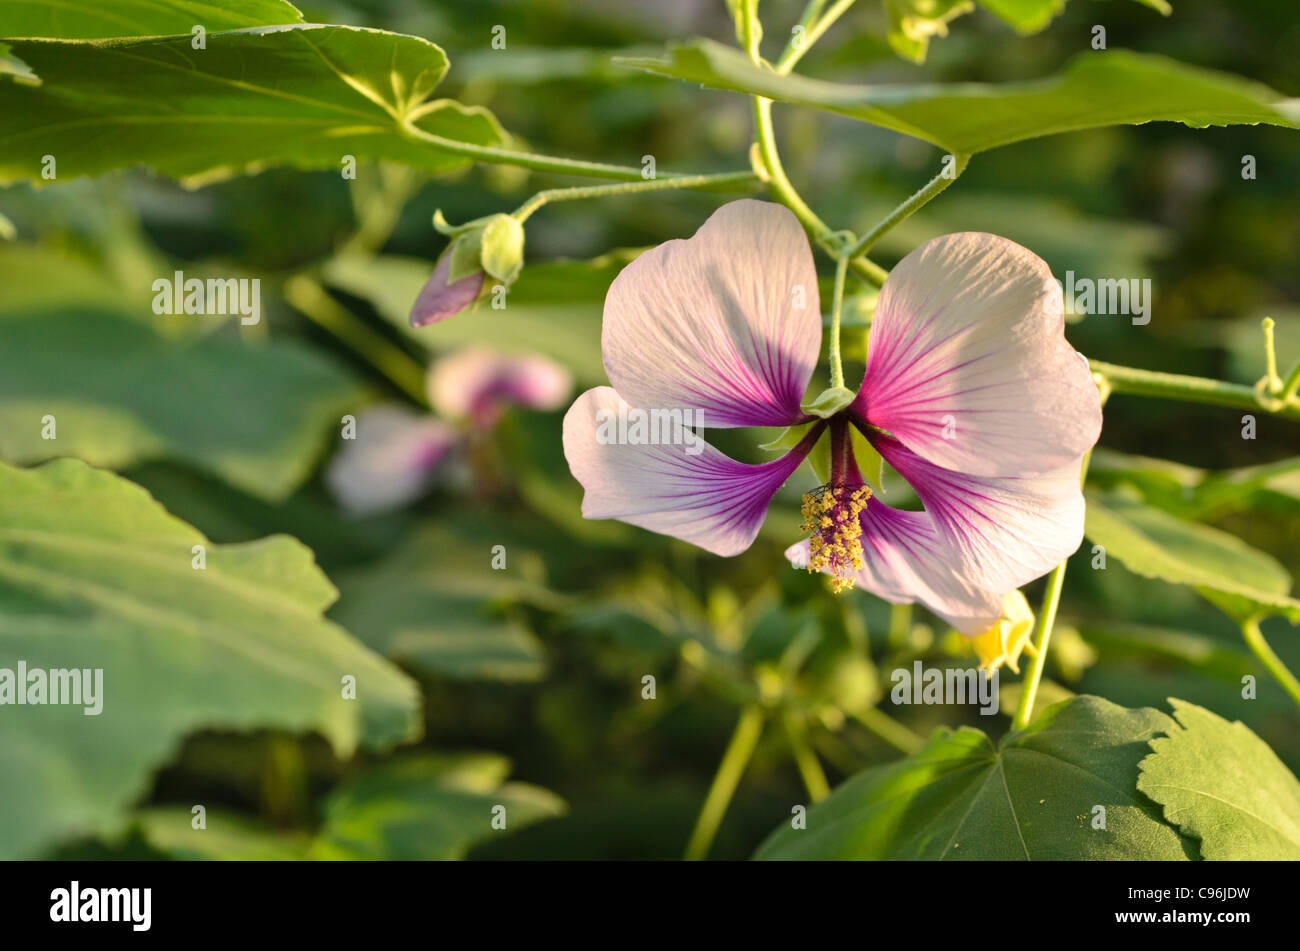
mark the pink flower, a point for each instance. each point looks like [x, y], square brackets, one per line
[398, 452]
[391, 460]
[478, 384]
[971, 393]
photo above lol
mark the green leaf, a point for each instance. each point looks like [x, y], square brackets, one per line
[225, 837]
[438, 607]
[305, 96]
[503, 248]
[429, 808]
[1032, 796]
[1024, 16]
[120, 391]
[1220, 783]
[1189, 492]
[94, 574]
[1241, 580]
[1115, 87]
[90, 21]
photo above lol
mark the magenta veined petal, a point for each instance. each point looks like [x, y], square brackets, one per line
[726, 322]
[476, 383]
[686, 489]
[441, 298]
[906, 558]
[392, 459]
[968, 363]
[1002, 532]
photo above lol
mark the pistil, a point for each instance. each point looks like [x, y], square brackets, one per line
[831, 514]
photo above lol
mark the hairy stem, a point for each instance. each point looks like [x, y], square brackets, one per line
[743, 742]
[1192, 389]
[912, 205]
[812, 33]
[778, 184]
[538, 163]
[723, 182]
[1260, 648]
[837, 307]
[798, 41]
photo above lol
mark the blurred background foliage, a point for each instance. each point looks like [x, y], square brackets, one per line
[542, 664]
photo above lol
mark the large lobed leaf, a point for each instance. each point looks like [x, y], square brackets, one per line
[1031, 796]
[302, 95]
[1220, 783]
[1114, 87]
[108, 18]
[95, 574]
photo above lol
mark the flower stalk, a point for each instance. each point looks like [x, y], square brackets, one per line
[744, 740]
[1195, 389]
[725, 181]
[914, 204]
[1272, 663]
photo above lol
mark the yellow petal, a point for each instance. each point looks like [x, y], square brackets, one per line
[1003, 642]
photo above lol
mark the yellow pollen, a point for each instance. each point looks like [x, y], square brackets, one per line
[830, 519]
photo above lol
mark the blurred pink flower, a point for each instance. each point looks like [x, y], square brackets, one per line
[478, 384]
[399, 452]
[392, 460]
[971, 393]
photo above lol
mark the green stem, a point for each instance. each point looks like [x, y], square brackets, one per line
[1042, 637]
[723, 181]
[1270, 357]
[743, 741]
[798, 41]
[810, 769]
[1291, 386]
[813, 32]
[1192, 389]
[393, 362]
[751, 31]
[869, 270]
[1046, 619]
[890, 730]
[538, 163]
[912, 205]
[1259, 647]
[778, 184]
[837, 306]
